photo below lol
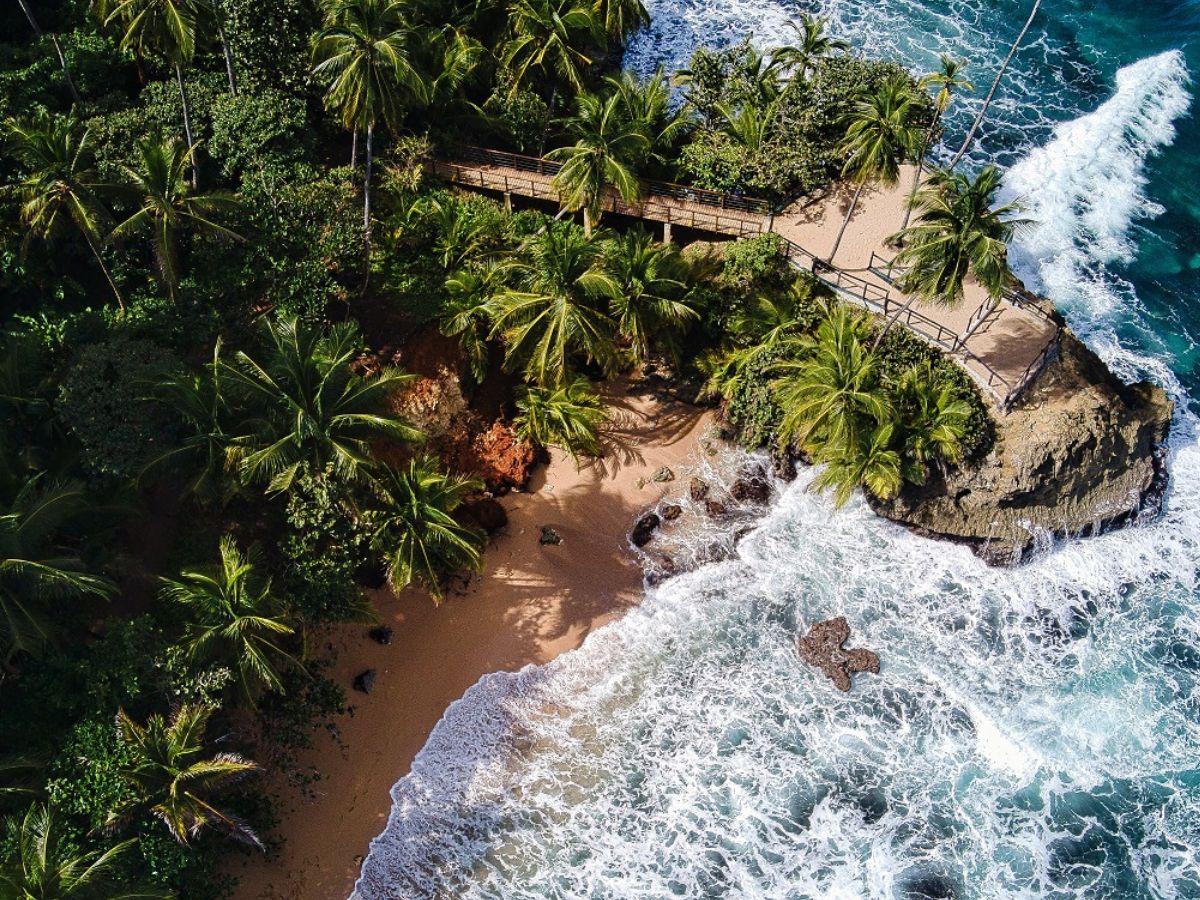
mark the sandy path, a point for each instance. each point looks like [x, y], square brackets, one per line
[532, 603]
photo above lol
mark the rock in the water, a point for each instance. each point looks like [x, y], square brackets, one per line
[751, 490]
[822, 648]
[715, 509]
[365, 681]
[697, 489]
[643, 529]
[1081, 449]
[663, 473]
[488, 514]
[783, 466]
[550, 536]
[381, 634]
[671, 512]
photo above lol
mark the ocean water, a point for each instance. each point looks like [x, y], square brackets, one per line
[1034, 733]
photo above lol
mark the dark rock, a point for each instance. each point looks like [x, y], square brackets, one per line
[381, 634]
[550, 536]
[697, 489]
[783, 466]
[671, 512]
[488, 514]
[822, 648]
[365, 681]
[715, 509]
[751, 490]
[663, 474]
[643, 529]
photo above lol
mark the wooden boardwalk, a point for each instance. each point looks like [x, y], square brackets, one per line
[1002, 345]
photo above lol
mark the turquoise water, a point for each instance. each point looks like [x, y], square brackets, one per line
[1034, 733]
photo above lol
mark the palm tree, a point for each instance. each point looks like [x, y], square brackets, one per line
[167, 28]
[987, 101]
[46, 864]
[959, 230]
[812, 45]
[235, 620]
[173, 775]
[462, 237]
[221, 36]
[363, 52]
[749, 125]
[606, 152]
[169, 207]
[312, 407]
[756, 77]
[567, 417]
[880, 135]
[645, 104]
[651, 289]
[35, 569]
[62, 60]
[933, 418]
[556, 310]
[60, 185]
[867, 461]
[413, 526]
[947, 80]
[465, 315]
[619, 18]
[833, 395]
[548, 37]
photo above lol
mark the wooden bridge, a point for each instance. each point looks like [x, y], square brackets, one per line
[1003, 345]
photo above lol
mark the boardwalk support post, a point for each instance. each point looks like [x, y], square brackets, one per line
[666, 232]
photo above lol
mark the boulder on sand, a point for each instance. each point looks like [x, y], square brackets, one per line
[365, 681]
[822, 648]
[643, 529]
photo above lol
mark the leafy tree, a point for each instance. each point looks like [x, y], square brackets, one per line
[62, 60]
[832, 395]
[36, 570]
[881, 134]
[947, 80]
[309, 406]
[812, 45]
[168, 207]
[959, 230]
[414, 529]
[568, 417]
[555, 312]
[363, 55]
[234, 619]
[606, 152]
[45, 864]
[60, 185]
[166, 28]
[174, 776]
[650, 301]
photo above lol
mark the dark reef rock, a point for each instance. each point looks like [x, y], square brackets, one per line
[364, 682]
[783, 465]
[644, 528]
[671, 511]
[550, 537]
[381, 634]
[697, 489]
[753, 489]
[1080, 452]
[715, 509]
[822, 648]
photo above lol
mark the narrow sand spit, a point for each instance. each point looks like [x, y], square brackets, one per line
[532, 603]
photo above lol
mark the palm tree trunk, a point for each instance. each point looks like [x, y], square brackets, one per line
[33, 22]
[892, 320]
[846, 221]
[916, 185]
[62, 60]
[995, 84]
[587, 223]
[367, 186]
[546, 125]
[225, 47]
[187, 126]
[103, 268]
[354, 149]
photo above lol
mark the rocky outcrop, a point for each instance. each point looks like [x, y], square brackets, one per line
[1081, 451]
[822, 648]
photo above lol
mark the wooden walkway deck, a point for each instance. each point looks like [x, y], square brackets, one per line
[1002, 345]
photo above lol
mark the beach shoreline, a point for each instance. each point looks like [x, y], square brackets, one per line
[532, 603]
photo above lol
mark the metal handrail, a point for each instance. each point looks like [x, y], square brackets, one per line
[684, 192]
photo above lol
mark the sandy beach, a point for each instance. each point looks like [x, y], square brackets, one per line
[531, 603]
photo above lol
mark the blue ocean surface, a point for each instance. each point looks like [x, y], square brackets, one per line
[1035, 733]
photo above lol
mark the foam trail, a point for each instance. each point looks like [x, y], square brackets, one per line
[1085, 188]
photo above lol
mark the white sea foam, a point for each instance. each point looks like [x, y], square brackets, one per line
[1032, 734]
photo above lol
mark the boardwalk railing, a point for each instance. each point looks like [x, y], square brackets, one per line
[682, 192]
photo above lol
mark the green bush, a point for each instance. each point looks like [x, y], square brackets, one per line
[756, 265]
[269, 42]
[713, 160]
[104, 401]
[751, 410]
[262, 135]
[519, 118]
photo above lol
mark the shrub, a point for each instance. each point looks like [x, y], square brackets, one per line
[519, 118]
[751, 410]
[713, 160]
[269, 42]
[263, 135]
[755, 264]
